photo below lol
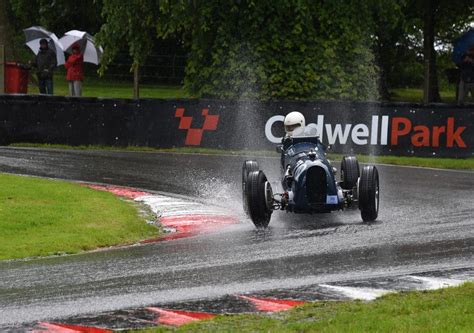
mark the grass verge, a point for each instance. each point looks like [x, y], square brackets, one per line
[97, 87]
[102, 87]
[427, 162]
[443, 310]
[40, 217]
[415, 95]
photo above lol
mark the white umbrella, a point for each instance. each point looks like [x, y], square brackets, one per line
[34, 34]
[90, 51]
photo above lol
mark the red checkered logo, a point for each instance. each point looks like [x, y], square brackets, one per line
[194, 135]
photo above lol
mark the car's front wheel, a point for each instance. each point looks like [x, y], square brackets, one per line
[248, 167]
[369, 193]
[349, 172]
[260, 199]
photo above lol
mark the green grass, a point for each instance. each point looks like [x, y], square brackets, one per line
[101, 87]
[96, 87]
[443, 310]
[427, 162]
[41, 217]
[415, 95]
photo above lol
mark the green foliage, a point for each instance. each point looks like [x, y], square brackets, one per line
[130, 24]
[58, 16]
[452, 18]
[297, 49]
[267, 49]
[281, 49]
[399, 38]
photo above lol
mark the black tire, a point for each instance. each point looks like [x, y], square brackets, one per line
[349, 172]
[260, 199]
[248, 167]
[369, 192]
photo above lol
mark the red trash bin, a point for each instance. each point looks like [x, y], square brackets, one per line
[16, 78]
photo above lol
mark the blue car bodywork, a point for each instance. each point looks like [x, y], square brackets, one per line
[309, 179]
[309, 184]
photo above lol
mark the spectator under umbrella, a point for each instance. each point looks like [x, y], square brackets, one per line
[91, 52]
[75, 71]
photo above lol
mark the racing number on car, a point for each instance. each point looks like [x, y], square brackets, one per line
[194, 135]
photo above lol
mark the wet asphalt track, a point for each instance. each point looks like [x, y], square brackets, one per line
[426, 223]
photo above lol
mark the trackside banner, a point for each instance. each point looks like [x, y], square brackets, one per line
[371, 128]
[390, 130]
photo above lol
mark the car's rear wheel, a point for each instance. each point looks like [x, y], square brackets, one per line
[260, 198]
[248, 167]
[349, 172]
[369, 192]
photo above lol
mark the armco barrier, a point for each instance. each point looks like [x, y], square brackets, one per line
[378, 128]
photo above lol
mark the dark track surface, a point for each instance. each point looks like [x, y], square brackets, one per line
[426, 223]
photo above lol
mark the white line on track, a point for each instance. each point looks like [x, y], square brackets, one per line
[165, 206]
[432, 283]
[366, 294]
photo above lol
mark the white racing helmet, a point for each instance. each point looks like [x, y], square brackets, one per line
[294, 123]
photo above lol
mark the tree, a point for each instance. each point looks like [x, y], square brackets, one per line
[409, 36]
[298, 49]
[6, 41]
[286, 49]
[58, 16]
[388, 40]
[437, 19]
[132, 25]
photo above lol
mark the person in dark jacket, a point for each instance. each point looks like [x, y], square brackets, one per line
[75, 71]
[466, 84]
[45, 63]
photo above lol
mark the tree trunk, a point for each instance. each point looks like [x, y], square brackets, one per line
[430, 89]
[2, 69]
[6, 31]
[136, 77]
[383, 89]
[384, 92]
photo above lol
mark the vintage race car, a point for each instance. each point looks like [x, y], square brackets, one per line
[309, 184]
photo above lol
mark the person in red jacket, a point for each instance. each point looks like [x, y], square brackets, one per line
[75, 72]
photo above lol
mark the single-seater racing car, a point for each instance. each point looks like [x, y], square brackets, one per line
[309, 184]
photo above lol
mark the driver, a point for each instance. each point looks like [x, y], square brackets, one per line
[295, 125]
